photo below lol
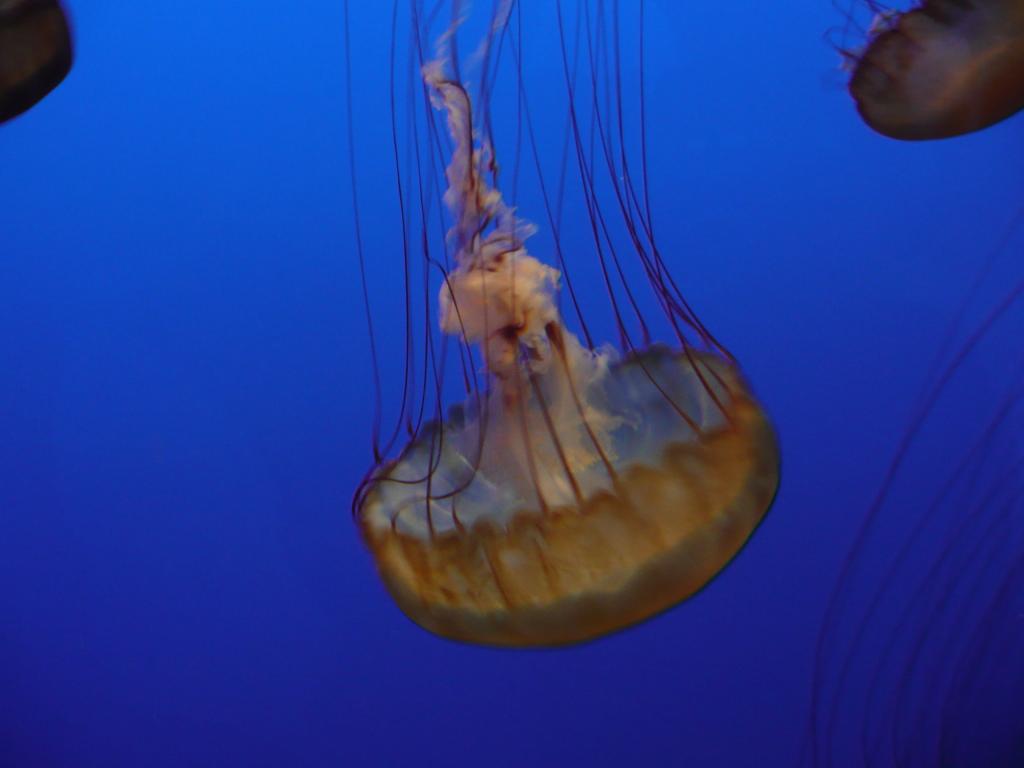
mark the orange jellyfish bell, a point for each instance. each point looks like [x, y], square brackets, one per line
[484, 562]
[580, 492]
[945, 68]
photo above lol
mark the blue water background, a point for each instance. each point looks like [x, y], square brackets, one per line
[186, 401]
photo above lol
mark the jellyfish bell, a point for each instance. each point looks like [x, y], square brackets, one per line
[573, 549]
[35, 53]
[579, 491]
[941, 69]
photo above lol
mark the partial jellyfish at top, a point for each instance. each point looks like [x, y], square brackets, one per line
[35, 53]
[578, 488]
[919, 658]
[941, 69]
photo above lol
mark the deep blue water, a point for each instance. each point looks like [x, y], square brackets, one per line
[186, 395]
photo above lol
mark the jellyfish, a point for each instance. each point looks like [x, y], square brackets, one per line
[35, 53]
[918, 659]
[941, 69]
[578, 489]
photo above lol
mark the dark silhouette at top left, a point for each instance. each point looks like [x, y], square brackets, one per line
[35, 53]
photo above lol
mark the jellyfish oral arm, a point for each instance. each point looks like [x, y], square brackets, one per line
[501, 298]
[498, 295]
